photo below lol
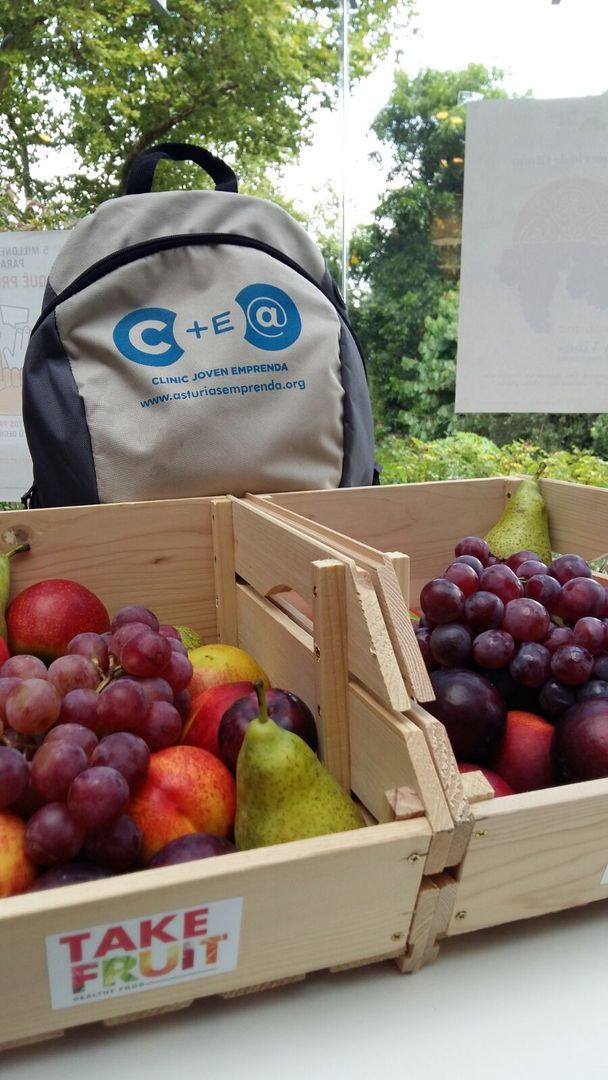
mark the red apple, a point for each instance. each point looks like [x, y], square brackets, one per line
[500, 786]
[187, 790]
[207, 710]
[218, 663]
[523, 757]
[285, 708]
[43, 619]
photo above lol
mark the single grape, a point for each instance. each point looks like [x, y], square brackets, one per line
[73, 733]
[557, 636]
[526, 620]
[93, 646]
[145, 654]
[450, 644]
[531, 568]
[483, 611]
[169, 631]
[80, 707]
[23, 666]
[177, 645]
[531, 664]
[518, 557]
[545, 589]
[473, 545]
[69, 873]
[442, 601]
[52, 836]
[571, 664]
[6, 685]
[73, 672]
[121, 706]
[178, 672]
[499, 579]
[565, 567]
[182, 699]
[423, 637]
[97, 796]
[123, 634]
[116, 847]
[469, 560]
[14, 773]
[134, 613]
[54, 766]
[591, 633]
[554, 698]
[161, 726]
[493, 648]
[127, 753]
[32, 707]
[593, 689]
[463, 576]
[581, 596]
[156, 689]
[600, 667]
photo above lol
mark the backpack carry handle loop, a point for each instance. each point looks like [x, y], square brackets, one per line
[141, 174]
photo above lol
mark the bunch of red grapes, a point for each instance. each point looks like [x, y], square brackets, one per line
[76, 737]
[538, 632]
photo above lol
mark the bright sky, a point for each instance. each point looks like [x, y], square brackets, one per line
[553, 50]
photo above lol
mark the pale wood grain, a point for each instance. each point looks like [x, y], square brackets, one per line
[272, 555]
[330, 646]
[157, 554]
[533, 853]
[307, 905]
[223, 570]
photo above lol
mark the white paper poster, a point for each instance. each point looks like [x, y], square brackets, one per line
[533, 330]
[25, 261]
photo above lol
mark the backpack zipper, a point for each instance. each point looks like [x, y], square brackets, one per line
[163, 243]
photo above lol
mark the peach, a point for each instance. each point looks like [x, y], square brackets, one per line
[218, 663]
[187, 790]
[523, 757]
[17, 871]
[206, 712]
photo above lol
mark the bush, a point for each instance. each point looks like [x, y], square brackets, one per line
[466, 456]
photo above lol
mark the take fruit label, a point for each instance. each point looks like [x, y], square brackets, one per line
[143, 953]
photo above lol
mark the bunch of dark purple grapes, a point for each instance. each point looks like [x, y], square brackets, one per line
[539, 632]
[76, 737]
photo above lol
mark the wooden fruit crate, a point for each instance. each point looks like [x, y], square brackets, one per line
[313, 618]
[523, 855]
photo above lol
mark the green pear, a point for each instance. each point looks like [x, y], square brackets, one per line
[5, 583]
[523, 524]
[283, 791]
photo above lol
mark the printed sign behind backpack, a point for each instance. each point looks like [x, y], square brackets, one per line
[192, 343]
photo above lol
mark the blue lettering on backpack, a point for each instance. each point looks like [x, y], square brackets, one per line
[272, 319]
[146, 337]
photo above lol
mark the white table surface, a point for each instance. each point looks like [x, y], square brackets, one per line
[528, 1000]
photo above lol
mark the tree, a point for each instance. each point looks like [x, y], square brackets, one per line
[103, 81]
[396, 267]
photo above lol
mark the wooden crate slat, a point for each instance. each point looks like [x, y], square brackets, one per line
[532, 854]
[271, 555]
[298, 916]
[156, 554]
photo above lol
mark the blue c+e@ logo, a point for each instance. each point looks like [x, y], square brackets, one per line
[272, 319]
[146, 337]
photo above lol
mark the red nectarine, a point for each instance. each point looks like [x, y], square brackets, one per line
[523, 757]
[206, 711]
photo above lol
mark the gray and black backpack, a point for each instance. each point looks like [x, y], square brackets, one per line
[192, 343]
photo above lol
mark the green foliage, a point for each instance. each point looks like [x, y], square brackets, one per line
[103, 81]
[424, 388]
[397, 275]
[465, 456]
